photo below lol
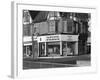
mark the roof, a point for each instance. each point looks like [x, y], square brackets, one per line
[39, 16]
[33, 14]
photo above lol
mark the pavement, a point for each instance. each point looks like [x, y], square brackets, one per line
[38, 65]
[69, 61]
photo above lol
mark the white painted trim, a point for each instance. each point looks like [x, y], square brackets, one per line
[45, 48]
[60, 47]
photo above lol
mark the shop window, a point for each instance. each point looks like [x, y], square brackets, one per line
[53, 48]
[27, 51]
[68, 48]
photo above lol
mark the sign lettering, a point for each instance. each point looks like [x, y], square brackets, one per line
[52, 38]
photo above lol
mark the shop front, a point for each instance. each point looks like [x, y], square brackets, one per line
[58, 45]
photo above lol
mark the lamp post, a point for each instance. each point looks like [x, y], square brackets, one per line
[34, 48]
[32, 40]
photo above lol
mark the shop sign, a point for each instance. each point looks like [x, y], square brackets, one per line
[52, 38]
[69, 37]
[53, 43]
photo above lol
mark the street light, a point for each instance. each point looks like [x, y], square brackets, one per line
[33, 40]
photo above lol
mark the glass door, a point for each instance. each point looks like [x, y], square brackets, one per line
[41, 49]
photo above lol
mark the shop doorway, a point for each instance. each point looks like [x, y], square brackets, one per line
[42, 49]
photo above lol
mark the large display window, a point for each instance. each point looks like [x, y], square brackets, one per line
[53, 49]
[68, 48]
[59, 48]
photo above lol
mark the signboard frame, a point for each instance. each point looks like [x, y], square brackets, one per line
[17, 41]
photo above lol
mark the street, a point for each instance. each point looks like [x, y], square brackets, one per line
[71, 61]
